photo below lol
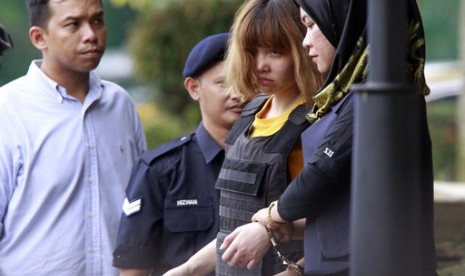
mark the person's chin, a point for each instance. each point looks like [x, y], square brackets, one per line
[322, 69]
[266, 90]
[91, 65]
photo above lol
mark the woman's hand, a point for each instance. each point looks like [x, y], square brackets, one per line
[261, 216]
[282, 231]
[246, 245]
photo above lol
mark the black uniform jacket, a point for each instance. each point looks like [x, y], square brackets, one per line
[172, 205]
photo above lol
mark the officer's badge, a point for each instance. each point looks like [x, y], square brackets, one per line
[130, 208]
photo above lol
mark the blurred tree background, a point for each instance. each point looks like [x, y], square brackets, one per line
[13, 16]
[158, 35]
[161, 40]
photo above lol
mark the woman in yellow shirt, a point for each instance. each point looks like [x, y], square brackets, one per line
[266, 62]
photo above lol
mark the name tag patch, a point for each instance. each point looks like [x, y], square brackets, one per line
[187, 202]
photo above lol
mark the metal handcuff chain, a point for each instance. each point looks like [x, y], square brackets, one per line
[292, 266]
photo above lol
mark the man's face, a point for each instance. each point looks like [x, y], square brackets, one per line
[217, 107]
[75, 36]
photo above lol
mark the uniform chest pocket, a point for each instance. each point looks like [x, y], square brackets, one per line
[188, 215]
[241, 176]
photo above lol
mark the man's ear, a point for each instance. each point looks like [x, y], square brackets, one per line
[193, 87]
[36, 35]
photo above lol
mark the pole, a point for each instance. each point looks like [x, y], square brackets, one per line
[461, 99]
[385, 231]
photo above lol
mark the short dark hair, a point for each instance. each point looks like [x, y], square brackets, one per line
[38, 12]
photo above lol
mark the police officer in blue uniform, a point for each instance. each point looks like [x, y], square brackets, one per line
[171, 209]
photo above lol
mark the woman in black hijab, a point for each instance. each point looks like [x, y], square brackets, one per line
[336, 41]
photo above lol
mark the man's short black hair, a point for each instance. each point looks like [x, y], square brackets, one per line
[38, 12]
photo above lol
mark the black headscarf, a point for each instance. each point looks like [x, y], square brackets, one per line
[344, 23]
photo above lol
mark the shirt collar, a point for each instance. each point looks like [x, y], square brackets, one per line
[35, 72]
[95, 83]
[210, 149]
[95, 88]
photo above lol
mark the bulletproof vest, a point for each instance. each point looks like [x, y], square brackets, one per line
[255, 173]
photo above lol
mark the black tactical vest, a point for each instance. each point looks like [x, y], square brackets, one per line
[254, 174]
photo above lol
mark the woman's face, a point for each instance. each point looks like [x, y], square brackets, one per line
[320, 50]
[274, 71]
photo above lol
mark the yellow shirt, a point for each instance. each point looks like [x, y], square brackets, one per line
[262, 127]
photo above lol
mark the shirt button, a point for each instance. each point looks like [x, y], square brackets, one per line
[92, 249]
[90, 180]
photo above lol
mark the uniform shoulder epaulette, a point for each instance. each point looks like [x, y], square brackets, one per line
[152, 155]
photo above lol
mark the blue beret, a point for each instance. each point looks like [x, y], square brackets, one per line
[208, 51]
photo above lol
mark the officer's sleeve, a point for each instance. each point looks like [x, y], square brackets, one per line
[140, 224]
[326, 173]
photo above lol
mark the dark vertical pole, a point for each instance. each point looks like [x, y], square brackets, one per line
[385, 233]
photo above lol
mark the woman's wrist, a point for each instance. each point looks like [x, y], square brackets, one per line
[270, 222]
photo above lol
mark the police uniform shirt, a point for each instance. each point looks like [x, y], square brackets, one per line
[171, 209]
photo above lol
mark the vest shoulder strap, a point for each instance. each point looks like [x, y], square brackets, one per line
[284, 140]
[247, 117]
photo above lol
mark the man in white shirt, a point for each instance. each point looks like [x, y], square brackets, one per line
[68, 142]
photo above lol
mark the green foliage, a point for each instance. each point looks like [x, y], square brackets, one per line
[443, 129]
[13, 16]
[16, 61]
[160, 127]
[163, 37]
[119, 22]
[143, 4]
[441, 24]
